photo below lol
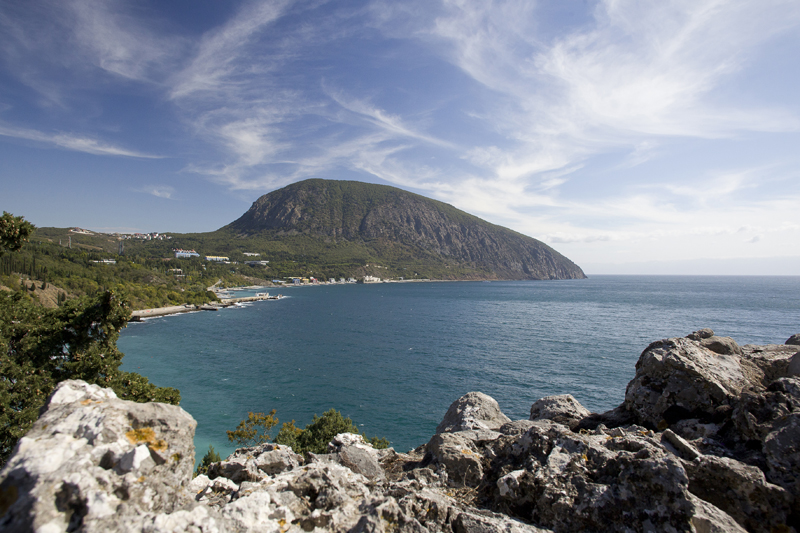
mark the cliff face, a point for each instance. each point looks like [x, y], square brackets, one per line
[356, 211]
[706, 440]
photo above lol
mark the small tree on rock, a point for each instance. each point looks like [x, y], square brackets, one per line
[253, 431]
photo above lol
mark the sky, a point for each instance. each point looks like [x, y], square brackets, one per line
[633, 137]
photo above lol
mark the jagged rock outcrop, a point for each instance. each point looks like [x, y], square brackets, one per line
[706, 441]
[403, 223]
[92, 461]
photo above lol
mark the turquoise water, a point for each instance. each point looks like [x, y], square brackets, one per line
[393, 357]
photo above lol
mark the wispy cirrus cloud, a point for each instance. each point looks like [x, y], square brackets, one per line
[74, 142]
[117, 41]
[55, 47]
[159, 191]
[222, 63]
[637, 71]
[393, 125]
[598, 124]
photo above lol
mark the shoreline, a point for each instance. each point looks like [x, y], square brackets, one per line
[143, 314]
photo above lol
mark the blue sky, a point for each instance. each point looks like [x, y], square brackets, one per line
[631, 136]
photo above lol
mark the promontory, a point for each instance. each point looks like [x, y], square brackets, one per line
[366, 225]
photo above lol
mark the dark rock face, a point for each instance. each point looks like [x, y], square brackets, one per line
[706, 441]
[354, 211]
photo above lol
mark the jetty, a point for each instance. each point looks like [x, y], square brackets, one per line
[256, 298]
[139, 315]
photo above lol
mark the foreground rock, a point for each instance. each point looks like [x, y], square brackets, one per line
[706, 441]
[92, 461]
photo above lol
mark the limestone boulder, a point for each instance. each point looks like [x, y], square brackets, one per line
[473, 411]
[361, 461]
[620, 480]
[516, 427]
[564, 409]
[352, 451]
[276, 458]
[255, 463]
[459, 456]
[793, 368]
[475, 521]
[721, 345]
[782, 451]
[707, 518]
[755, 415]
[700, 334]
[741, 491]
[772, 360]
[679, 378]
[97, 463]
[793, 340]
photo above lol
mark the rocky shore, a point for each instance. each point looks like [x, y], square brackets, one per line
[707, 440]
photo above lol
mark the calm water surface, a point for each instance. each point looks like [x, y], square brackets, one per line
[393, 357]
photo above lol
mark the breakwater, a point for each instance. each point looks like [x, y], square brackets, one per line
[142, 314]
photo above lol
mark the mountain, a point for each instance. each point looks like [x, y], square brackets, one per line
[331, 221]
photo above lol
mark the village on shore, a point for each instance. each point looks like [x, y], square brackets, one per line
[226, 298]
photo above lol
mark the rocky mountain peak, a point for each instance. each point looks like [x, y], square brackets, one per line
[383, 215]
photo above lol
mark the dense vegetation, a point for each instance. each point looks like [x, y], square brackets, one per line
[40, 347]
[146, 274]
[314, 438]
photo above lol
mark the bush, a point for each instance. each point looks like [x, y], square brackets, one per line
[40, 347]
[316, 436]
[288, 436]
[253, 431]
[210, 457]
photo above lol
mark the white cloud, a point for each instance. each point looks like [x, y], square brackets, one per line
[74, 142]
[218, 64]
[118, 42]
[159, 191]
[568, 134]
[392, 125]
[641, 70]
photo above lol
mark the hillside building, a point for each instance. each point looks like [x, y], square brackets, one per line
[185, 254]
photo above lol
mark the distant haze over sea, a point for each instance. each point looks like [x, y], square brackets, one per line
[761, 266]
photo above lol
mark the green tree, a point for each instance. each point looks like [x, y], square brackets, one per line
[253, 430]
[210, 457]
[40, 347]
[315, 436]
[288, 436]
[14, 232]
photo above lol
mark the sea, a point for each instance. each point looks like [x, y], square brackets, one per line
[394, 356]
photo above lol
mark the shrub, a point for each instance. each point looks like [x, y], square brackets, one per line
[210, 457]
[40, 347]
[316, 435]
[253, 431]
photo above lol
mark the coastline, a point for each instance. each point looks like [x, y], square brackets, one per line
[143, 314]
